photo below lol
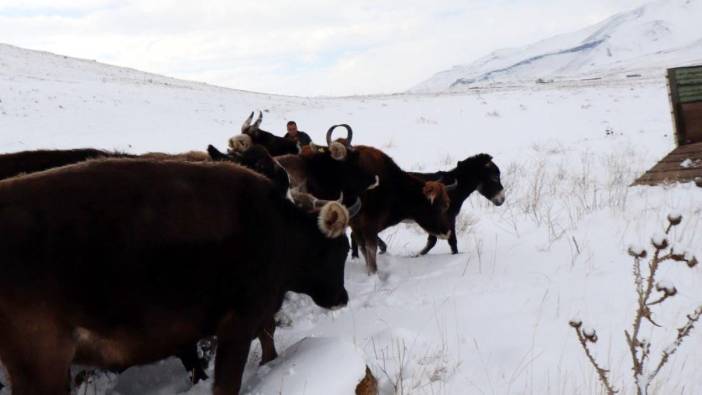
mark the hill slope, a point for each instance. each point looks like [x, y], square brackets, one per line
[650, 38]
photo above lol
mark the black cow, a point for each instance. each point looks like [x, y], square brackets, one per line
[479, 173]
[274, 144]
[256, 158]
[98, 265]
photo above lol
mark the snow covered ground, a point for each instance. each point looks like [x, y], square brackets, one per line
[492, 320]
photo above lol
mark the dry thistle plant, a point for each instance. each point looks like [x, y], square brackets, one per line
[646, 284]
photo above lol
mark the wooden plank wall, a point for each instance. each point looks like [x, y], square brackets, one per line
[670, 169]
[684, 164]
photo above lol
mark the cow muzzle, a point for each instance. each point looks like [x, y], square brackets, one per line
[498, 199]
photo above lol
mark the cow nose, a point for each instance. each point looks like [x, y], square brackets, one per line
[499, 198]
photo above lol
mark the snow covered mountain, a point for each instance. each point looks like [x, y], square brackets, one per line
[646, 40]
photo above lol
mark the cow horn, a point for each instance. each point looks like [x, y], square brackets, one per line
[375, 184]
[355, 208]
[452, 186]
[349, 133]
[258, 120]
[319, 203]
[247, 123]
[304, 200]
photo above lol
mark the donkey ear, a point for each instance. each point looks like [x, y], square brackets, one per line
[430, 191]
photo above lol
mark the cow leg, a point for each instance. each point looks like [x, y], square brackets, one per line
[354, 245]
[371, 251]
[453, 242]
[265, 336]
[234, 341]
[382, 246]
[194, 365]
[431, 242]
[37, 358]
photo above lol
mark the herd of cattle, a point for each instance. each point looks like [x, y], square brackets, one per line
[113, 260]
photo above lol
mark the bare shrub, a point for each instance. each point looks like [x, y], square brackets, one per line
[646, 284]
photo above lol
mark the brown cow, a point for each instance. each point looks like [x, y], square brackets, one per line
[98, 265]
[400, 196]
[27, 162]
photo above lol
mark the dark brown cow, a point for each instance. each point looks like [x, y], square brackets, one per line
[400, 196]
[16, 163]
[27, 162]
[256, 158]
[98, 265]
[325, 172]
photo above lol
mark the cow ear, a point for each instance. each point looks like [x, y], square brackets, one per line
[215, 154]
[240, 143]
[338, 151]
[333, 219]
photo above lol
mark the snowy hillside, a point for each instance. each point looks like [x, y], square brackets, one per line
[493, 319]
[647, 40]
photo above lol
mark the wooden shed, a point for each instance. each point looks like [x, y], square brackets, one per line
[684, 163]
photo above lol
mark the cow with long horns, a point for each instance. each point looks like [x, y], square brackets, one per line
[274, 144]
[324, 172]
[327, 171]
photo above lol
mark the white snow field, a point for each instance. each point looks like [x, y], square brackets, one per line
[491, 320]
[639, 43]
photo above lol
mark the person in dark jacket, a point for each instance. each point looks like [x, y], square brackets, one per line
[297, 136]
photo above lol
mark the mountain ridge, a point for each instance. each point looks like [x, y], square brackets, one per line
[654, 36]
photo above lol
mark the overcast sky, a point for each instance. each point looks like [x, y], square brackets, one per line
[299, 47]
